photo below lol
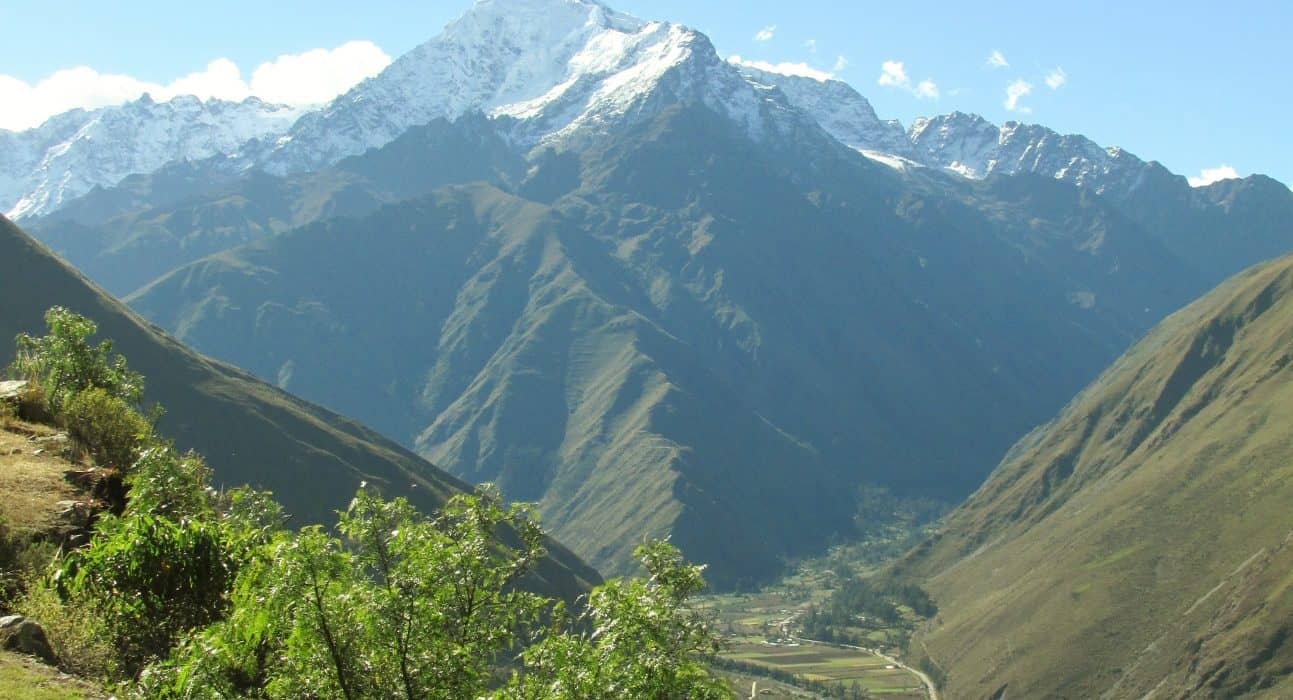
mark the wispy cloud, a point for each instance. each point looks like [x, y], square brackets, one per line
[802, 70]
[1015, 92]
[840, 64]
[306, 78]
[1056, 79]
[766, 33]
[1207, 176]
[894, 74]
[997, 60]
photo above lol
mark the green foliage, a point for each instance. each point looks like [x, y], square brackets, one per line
[251, 520]
[64, 362]
[164, 482]
[150, 579]
[441, 594]
[406, 606]
[646, 642]
[414, 607]
[879, 511]
[21, 558]
[75, 630]
[106, 427]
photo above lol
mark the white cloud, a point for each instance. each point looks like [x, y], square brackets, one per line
[811, 45]
[802, 70]
[997, 60]
[1056, 79]
[318, 75]
[1015, 92]
[221, 80]
[840, 64]
[894, 74]
[297, 79]
[1207, 176]
[766, 33]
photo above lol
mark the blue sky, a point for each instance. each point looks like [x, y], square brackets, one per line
[1193, 84]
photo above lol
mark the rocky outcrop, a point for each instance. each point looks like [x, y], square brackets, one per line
[25, 636]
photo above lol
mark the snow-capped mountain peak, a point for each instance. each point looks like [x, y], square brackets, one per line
[837, 108]
[557, 67]
[557, 70]
[74, 152]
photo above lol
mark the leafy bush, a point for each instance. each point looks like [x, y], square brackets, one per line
[64, 363]
[151, 580]
[106, 427]
[407, 606]
[164, 482]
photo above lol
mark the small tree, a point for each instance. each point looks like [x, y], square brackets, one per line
[645, 641]
[64, 362]
[406, 607]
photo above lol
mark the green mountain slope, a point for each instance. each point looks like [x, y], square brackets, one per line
[679, 331]
[1141, 544]
[312, 459]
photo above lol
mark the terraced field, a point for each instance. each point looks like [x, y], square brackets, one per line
[830, 664]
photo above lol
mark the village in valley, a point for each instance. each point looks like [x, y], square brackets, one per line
[772, 653]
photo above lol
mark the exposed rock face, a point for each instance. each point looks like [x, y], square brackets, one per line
[25, 636]
[10, 391]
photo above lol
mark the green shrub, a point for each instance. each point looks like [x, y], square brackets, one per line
[647, 641]
[164, 482]
[407, 607]
[106, 427]
[64, 363]
[151, 580]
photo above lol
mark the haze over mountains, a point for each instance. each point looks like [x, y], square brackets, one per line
[657, 292]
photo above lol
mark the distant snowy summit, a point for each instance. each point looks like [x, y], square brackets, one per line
[558, 71]
[74, 152]
[964, 144]
[557, 68]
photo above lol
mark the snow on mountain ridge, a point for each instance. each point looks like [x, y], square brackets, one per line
[974, 147]
[74, 152]
[558, 70]
[965, 144]
[838, 108]
[558, 67]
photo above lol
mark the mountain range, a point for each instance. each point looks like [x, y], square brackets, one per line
[655, 291]
[69, 155]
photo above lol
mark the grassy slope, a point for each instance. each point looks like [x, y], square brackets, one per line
[22, 677]
[312, 459]
[1142, 541]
